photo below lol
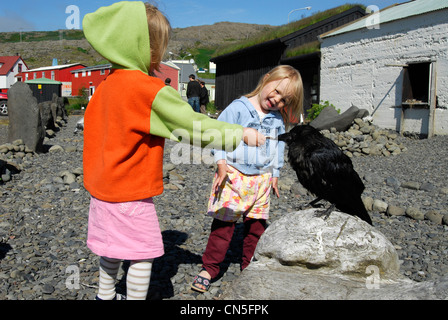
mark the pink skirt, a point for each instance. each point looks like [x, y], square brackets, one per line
[124, 230]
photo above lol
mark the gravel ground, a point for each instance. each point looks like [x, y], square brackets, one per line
[43, 219]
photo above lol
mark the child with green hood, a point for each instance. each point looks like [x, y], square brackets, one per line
[125, 127]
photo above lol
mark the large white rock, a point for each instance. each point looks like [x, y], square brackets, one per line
[340, 244]
[301, 256]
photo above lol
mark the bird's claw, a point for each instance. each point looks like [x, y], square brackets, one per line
[325, 213]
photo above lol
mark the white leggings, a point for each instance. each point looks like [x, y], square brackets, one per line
[137, 280]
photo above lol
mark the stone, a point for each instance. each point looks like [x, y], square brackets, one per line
[70, 149]
[24, 117]
[413, 185]
[68, 177]
[46, 114]
[340, 244]
[379, 206]
[415, 213]
[392, 182]
[330, 118]
[445, 219]
[304, 257]
[368, 203]
[47, 289]
[434, 216]
[363, 113]
[427, 186]
[56, 148]
[395, 211]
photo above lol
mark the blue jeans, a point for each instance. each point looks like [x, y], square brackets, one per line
[194, 103]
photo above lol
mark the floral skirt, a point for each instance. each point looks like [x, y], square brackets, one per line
[241, 195]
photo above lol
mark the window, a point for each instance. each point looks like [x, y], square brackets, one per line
[103, 72]
[416, 83]
[76, 75]
[52, 75]
[419, 93]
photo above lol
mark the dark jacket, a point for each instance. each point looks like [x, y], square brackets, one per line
[204, 96]
[193, 89]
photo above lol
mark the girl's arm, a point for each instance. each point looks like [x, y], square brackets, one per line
[275, 186]
[222, 171]
[173, 118]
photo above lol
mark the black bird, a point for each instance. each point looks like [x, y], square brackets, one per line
[324, 170]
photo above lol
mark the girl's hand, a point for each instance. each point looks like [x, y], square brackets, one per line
[253, 138]
[223, 169]
[275, 187]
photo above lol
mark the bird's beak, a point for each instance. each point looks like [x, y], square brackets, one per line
[283, 137]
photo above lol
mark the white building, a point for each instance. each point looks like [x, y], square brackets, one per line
[11, 68]
[393, 63]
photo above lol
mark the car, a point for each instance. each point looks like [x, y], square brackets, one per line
[3, 104]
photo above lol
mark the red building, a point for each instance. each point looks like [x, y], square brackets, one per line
[60, 73]
[169, 70]
[88, 78]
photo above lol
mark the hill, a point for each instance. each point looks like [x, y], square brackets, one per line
[69, 46]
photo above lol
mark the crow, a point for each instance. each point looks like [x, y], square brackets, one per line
[324, 170]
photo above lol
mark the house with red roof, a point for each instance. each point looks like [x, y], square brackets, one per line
[11, 68]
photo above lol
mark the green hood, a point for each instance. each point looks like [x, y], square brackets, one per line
[120, 34]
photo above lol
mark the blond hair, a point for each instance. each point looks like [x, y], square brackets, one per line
[294, 101]
[159, 35]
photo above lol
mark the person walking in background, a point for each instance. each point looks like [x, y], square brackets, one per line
[193, 93]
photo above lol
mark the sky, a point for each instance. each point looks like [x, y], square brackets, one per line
[50, 15]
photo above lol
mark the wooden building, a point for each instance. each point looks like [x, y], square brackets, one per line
[43, 89]
[239, 72]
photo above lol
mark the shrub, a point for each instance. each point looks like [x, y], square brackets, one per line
[316, 109]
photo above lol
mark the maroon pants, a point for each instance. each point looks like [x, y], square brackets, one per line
[219, 242]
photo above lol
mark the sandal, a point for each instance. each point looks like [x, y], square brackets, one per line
[202, 281]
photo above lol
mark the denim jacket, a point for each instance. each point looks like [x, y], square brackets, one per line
[254, 160]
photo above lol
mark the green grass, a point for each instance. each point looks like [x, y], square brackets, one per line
[285, 29]
[307, 48]
[6, 37]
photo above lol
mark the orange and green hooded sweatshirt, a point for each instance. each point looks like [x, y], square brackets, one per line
[131, 113]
